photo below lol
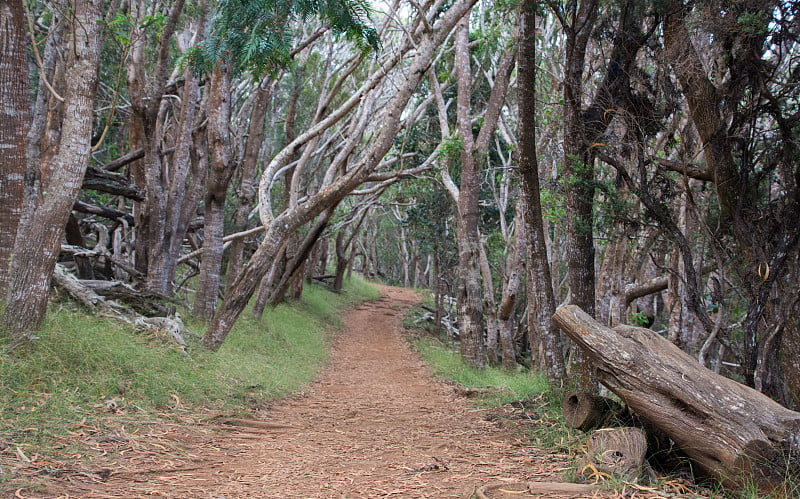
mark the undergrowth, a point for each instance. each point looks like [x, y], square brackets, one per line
[82, 368]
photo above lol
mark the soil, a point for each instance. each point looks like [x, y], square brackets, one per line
[375, 424]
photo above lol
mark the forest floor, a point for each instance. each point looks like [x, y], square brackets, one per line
[375, 424]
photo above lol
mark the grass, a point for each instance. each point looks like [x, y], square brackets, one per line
[81, 363]
[501, 387]
[526, 389]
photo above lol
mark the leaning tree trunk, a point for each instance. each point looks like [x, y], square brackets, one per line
[733, 432]
[279, 290]
[38, 242]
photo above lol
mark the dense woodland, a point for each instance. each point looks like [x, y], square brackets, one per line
[638, 159]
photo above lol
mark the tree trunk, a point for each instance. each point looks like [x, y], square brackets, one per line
[579, 174]
[38, 242]
[85, 269]
[341, 262]
[541, 301]
[14, 125]
[293, 267]
[158, 219]
[219, 111]
[490, 310]
[246, 188]
[731, 431]
[470, 304]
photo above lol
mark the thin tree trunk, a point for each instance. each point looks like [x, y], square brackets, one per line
[542, 333]
[38, 242]
[515, 268]
[470, 304]
[221, 169]
[490, 310]
[246, 189]
[14, 125]
[282, 286]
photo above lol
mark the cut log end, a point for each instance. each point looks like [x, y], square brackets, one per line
[744, 436]
[617, 451]
[586, 411]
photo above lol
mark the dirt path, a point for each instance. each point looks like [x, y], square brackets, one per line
[374, 425]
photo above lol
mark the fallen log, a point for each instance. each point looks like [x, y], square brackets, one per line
[734, 433]
[112, 183]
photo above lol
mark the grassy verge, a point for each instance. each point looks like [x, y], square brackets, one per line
[82, 368]
[526, 393]
[494, 385]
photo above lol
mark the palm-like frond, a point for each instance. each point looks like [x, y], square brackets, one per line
[255, 35]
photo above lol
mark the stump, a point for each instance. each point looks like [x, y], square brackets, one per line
[723, 426]
[617, 451]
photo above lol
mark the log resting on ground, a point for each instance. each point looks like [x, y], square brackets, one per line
[732, 432]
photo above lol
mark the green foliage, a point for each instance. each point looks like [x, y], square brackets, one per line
[553, 208]
[80, 363]
[256, 35]
[639, 319]
[754, 23]
[452, 147]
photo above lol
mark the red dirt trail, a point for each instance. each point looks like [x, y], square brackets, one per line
[374, 425]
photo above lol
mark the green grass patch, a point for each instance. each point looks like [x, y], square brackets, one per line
[502, 386]
[80, 363]
[527, 390]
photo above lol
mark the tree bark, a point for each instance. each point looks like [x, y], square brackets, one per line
[579, 174]
[731, 431]
[470, 304]
[221, 170]
[246, 188]
[14, 125]
[38, 242]
[515, 269]
[542, 334]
